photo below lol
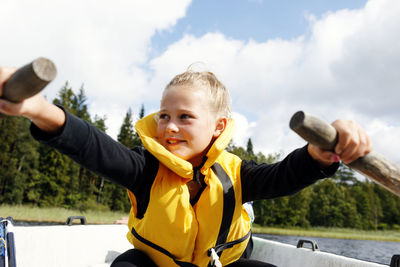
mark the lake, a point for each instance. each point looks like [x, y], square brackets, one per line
[374, 251]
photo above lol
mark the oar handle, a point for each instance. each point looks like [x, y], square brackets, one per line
[375, 166]
[29, 80]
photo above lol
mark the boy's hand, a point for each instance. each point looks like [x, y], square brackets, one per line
[5, 73]
[45, 115]
[26, 108]
[353, 142]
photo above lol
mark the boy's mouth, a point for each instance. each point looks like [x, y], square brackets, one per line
[174, 141]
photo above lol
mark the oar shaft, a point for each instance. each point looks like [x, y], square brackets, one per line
[375, 166]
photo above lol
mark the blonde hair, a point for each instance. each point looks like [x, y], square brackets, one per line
[218, 94]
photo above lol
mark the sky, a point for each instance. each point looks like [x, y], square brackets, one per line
[332, 59]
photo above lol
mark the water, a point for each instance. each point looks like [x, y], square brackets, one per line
[373, 251]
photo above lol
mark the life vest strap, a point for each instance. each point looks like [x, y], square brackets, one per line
[161, 249]
[221, 247]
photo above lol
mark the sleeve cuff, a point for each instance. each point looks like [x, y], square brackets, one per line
[324, 171]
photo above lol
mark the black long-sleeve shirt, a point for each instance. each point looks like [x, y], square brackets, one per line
[136, 168]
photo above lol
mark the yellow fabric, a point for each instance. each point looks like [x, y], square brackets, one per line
[170, 221]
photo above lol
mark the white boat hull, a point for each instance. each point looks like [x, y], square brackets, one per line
[99, 245]
[284, 255]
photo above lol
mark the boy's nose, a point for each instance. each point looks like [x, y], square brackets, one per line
[172, 127]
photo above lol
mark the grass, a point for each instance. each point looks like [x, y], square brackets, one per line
[60, 215]
[342, 233]
[57, 215]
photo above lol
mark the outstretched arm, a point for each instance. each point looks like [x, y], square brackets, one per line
[304, 166]
[42, 113]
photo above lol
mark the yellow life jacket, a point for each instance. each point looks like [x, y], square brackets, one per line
[173, 232]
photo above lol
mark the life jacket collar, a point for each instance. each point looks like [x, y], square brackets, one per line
[147, 130]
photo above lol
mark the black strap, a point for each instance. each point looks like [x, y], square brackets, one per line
[220, 248]
[162, 250]
[198, 177]
[229, 204]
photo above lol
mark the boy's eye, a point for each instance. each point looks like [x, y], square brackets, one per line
[163, 116]
[185, 116]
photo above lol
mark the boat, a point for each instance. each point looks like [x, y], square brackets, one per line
[85, 245]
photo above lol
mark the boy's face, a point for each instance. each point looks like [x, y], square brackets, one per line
[186, 126]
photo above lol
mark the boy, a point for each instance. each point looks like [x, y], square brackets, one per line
[186, 190]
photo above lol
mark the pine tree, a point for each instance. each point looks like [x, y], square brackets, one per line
[126, 135]
[345, 176]
[141, 112]
[18, 159]
[249, 149]
[137, 140]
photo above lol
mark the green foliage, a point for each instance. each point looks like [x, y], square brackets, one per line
[18, 159]
[127, 136]
[248, 153]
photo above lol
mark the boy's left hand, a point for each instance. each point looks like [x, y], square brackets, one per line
[353, 142]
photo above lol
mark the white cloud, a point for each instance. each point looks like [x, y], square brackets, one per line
[103, 44]
[386, 138]
[244, 129]
[346, 67]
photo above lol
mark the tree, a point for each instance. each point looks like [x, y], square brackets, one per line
[332, 207]
[98, 181]
[79, 106]
[138, 141]
[390, 204]
[126, 135]
[249, 149]
[345, 176]
[18, 159]
[141, 112]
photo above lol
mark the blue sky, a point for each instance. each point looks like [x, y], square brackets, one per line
[258, 20]
[333, 59]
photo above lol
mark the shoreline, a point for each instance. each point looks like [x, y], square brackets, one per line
[337, 233]
[56, 215]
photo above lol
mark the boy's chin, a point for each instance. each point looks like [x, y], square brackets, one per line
[195, 160]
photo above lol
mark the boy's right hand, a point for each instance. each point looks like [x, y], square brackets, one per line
[45, 115]
[5, 73]
[26, 108]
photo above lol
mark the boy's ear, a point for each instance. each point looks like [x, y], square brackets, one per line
[220, 127]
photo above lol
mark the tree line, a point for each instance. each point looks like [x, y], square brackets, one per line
[35, 174]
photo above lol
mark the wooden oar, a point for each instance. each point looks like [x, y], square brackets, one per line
[375, 166]
[29, 80]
